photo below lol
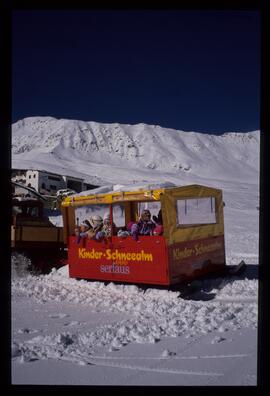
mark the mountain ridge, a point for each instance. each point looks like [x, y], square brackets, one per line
[95, 149]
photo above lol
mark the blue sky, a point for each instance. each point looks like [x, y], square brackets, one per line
[186, 70]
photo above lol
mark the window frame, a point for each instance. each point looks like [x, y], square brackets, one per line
[197, 224]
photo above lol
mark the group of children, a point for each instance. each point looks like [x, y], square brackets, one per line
[98, 229]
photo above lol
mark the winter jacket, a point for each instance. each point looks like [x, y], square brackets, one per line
[106, 232]
[158, 230]
[96, 233]
[142, 228]
[90, 234]
[82, 235]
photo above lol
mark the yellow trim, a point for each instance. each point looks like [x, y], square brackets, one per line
[121, 196]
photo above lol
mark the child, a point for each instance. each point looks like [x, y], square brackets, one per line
[107, 229]
[83, 230]
[145, 225]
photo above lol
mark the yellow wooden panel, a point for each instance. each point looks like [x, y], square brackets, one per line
[178, 234]
[42, 234]
[13, 233]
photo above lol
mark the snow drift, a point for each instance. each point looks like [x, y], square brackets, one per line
[151, 313]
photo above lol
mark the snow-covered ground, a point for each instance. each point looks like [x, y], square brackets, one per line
[68, 331]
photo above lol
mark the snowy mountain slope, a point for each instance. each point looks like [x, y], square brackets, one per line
[72, 332]
[140, 151]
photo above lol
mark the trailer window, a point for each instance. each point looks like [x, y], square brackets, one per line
[33, 211]
[196, 211]
[16, 210]
[154, 207]
[85, 212]
[25, 210]
[119, 215]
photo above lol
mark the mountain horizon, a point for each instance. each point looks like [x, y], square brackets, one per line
[104, 153]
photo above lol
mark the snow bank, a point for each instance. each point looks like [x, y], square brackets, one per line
[110, 188]
[151, 314]
[20, 265]
[99, 190]
[145, 185]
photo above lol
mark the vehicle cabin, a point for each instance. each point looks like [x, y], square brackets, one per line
[31, 229]
[191, 245]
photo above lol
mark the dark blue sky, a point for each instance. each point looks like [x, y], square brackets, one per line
[189, 70]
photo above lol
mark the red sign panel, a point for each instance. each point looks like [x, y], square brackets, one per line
[190, 259]
[120, 259]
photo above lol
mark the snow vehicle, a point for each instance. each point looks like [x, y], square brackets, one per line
[49, 201]
[65, 192]
[192, 244]
[60, 195]
[34, 235]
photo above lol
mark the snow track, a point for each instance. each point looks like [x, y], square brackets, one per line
[157, 370]
[169, 357]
